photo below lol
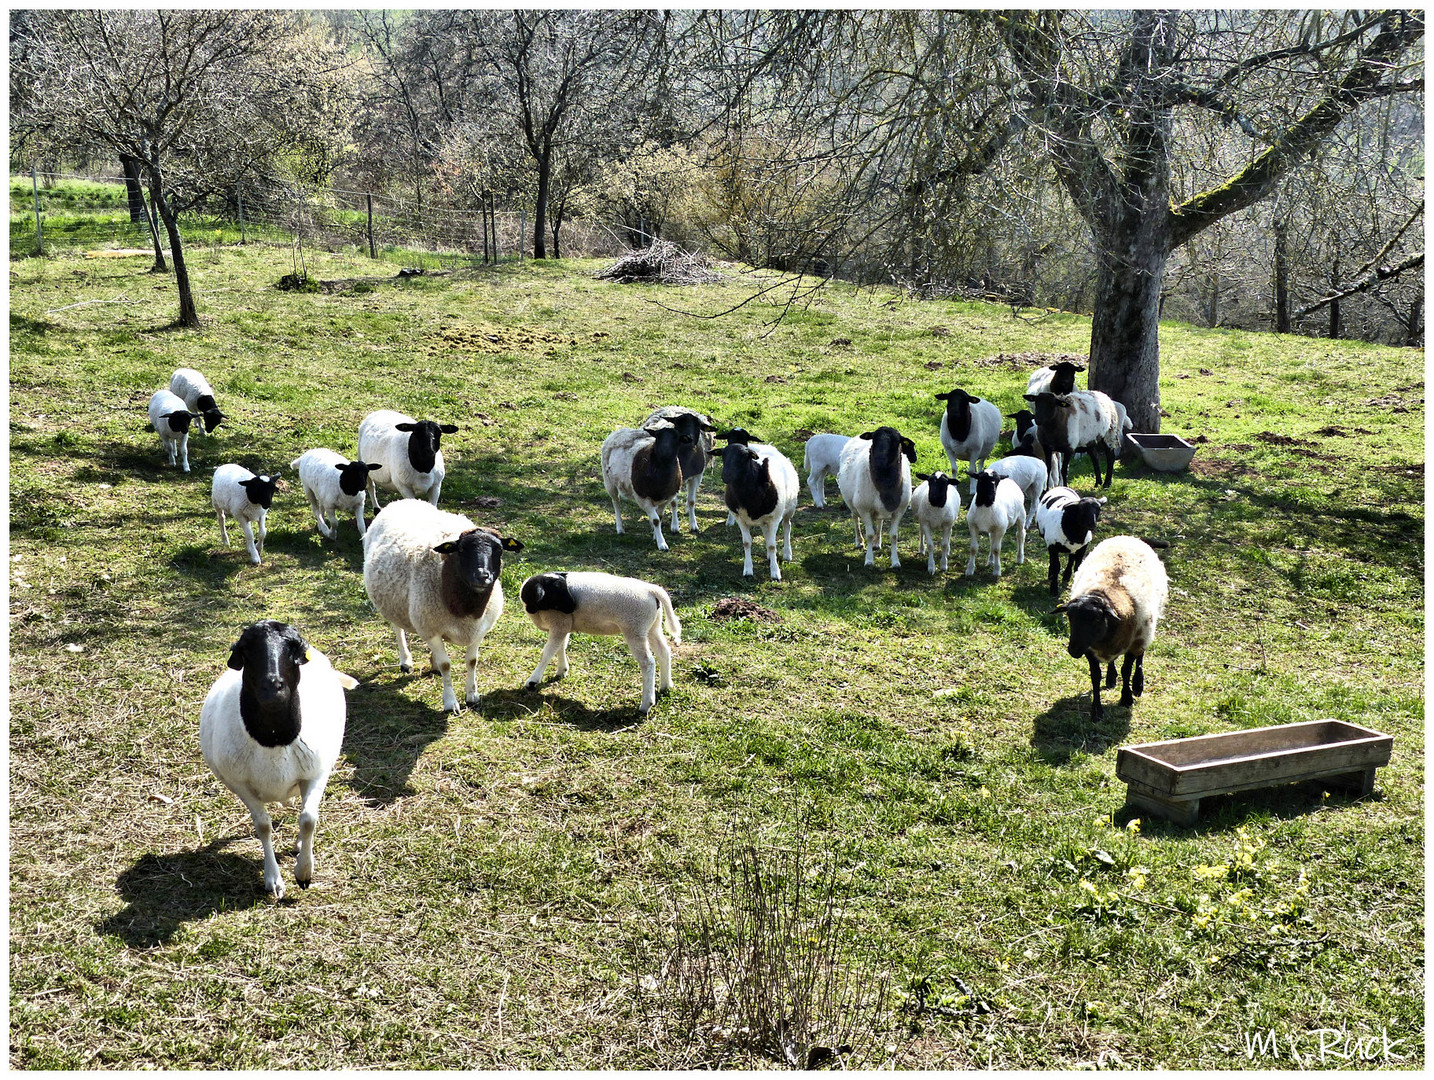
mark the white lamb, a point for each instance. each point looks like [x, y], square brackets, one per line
[435, 574]
[246, 498]
[594, 603]
[271, 728]
[1029, 473]
[875, 481]
[172, 419]
[407, 451]
[999, 506]
[198, 397]
[935, 505]
[332, 483]
[822, 458]
[1117, 598]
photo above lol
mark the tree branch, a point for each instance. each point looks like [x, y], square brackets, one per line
[1383, 273]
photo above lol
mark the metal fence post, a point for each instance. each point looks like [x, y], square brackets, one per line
[239, 197]
[369, 196]
[35, 187]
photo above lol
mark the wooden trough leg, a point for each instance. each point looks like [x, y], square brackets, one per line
[1357, 783]
[1183, 812]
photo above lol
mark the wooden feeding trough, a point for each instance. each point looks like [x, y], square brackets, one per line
[1170, 778]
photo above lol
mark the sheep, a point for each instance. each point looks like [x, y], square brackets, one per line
[969, 430]
[999, 505]
[171, 418]
[271, 728]
[408, 454]
[1117, 598]
[1029, 473]
[1058, 378]
[198, 396]
[935, 505]
[332, 483]
[821, 458]
[875, 482]
[595, 603]
[435, 574]
[741, 435]
[760, 490]
[246, 498]
[643, 466]
[693, 459]
[1083, 421]
[1025, 440]
[1067, 525]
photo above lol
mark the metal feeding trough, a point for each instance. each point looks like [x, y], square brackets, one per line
[1170, 778]
[1165, 453]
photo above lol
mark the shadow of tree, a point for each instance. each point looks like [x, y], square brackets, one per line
[1065, 729]
[165, 891]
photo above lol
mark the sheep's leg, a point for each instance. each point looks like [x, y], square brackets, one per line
[358, 516]
[324, 529]
[817, 485]
[998, 535]
[692, 504]
[223, 530]
[746, 547]
[1020, 541]
[557, 640]
[658, 644]
[263, 530]
[637, 644]
[1137, 683]
[676, 521]
[922, 538]
[249, 540]
[264, 830]
[1055, 573]
[1126, 697]
[311, 790]
[873, 534]
[769, 537]
[895, 558]
[373, 493]
[1096, 712]
[184, 450]
[434, 492]
[856, 521]
[616, 512]
[975, 548]
[1110, 675]
[439, 656]
[405, 658]
[470, 682]
[946, 547]
[927, 546]
[787, 538]
[655, 519]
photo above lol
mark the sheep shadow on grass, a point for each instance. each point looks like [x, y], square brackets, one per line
[162, 892]
[1065, 729]
[386, 732]
[523, 703]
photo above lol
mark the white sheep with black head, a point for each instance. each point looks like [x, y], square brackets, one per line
[643, 465]
[271, 729]
[875, 482]
[332, 483]
[760, 490]
[1079, 422]
[408, 453]
[246, 497]
[198, 397]
[1067, 524]
[172, 419]
[1029, 473]
[970, 427]
[935, 505]
[997, 507]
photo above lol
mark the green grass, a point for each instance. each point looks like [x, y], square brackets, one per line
[492, 887]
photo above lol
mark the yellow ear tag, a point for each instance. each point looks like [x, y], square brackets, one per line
[306, 654]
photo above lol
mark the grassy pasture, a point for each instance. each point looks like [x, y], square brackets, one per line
[496, 888]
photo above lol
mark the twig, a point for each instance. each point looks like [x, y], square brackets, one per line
[82, 303]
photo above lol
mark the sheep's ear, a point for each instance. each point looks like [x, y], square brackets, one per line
[341, 468]
[236, 657]
[374, 466]
[909, 449]
[921, 475]
[1030, 397]
[348, 682]
[448, 429]
[448, 547]
[509, 544]
[867, 435]
[943, 397]
[405, 426]
[1059, 609]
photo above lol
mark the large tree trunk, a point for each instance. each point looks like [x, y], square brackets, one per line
[1124, 335]
[188, 314]
[540, 212]
[134, 189]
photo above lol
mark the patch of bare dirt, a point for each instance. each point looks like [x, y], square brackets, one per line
[736, 607]
[1394, 402]
[1021, 360]
[1221, 468]
[483, 337]
[1276, 439]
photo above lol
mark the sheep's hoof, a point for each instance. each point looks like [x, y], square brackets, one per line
[530, 685]
[1127, 700]
[303, 884]
[407, 669]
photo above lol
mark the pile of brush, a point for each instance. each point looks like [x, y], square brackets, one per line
[664, 263]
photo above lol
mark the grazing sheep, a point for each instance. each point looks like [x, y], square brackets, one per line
[1080, 422]
[333, 483]
[760, 490]
[1117, 598]
[171, 418]
[935, 505]
[1058, 378]
[969, 430]
[821, 458]
[1029, 473]
[271, 728]
[998, 506]
[1067, 525]
[693, 459]
[435, 574]
[198, 396]
[592, 603]
[875, 482]
[407, 452]
[642, 465]
[246, 498]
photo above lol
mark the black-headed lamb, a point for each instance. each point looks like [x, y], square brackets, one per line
[1079, 422]
[693, 459]
[760, 490]
[594, 603]
[198, 397]
[1067, 524]
[1117, 598]
[1030, 475]
[874, 476]
[171, 418]
[408, 454]
[435, 574]
[821, 457]
[246, 497]
[997, 507]
[332, 483]
[935, 505]
[1025, 440]
[271, 728]
[643, 465]
[970, 427]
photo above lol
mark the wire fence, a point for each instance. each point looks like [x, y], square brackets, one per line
[52, 212]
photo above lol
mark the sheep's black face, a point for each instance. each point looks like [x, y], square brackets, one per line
[736, 435]
[986, 483]
[1063, 377]
[938, 486]
[471, 566]
[260, 490]
[1043, 405]
[548, 592]
[354, 476]
[269, 654]
[178, 422]
[738, 459]
[1091, 623]
[424, 441]
[212, 416]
